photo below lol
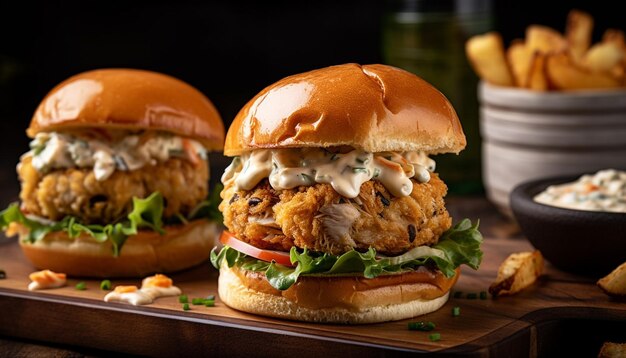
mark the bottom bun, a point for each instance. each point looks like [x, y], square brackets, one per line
[181, 247]
[340, 299]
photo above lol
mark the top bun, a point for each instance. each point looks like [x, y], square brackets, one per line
[129, 99]
[376, 108]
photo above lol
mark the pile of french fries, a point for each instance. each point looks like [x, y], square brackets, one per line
[548, 60]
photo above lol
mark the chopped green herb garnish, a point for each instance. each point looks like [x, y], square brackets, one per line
[458, 294]
[456, 311]
[183, 299]
[471, 296]
[37, 147]
[105, 285]
[359, 170]
[176, 152]
[3, 274]
[307, 178]
[483, 295]
[186, 307]
[208, 302]
[81, 286]
[421, 326]
[434, 337]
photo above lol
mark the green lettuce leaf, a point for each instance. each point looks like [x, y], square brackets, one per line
[146, 213]
[460, 245]
[208, 208]
[36, 231]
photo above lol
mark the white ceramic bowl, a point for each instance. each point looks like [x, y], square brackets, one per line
[529, 135]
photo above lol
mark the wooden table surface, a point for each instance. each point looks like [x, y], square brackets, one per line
[561, 314]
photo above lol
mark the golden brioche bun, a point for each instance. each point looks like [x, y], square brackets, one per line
[148, 252]
[129, 99]
[340, 299]
[371, 107]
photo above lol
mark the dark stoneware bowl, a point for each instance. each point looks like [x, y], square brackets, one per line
[583, 242]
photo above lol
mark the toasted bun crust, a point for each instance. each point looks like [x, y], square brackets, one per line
[129, 99]
[345, 299]
[372, 107]
[145, 253]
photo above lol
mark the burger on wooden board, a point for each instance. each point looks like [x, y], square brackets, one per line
[333, 210]
[116, 181]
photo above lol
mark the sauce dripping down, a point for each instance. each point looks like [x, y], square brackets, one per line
[345, 172]
[107, 152]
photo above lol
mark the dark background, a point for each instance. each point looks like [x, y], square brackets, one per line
[229, 50]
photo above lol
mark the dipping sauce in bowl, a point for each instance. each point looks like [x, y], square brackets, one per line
[587, 242]
[602, 191]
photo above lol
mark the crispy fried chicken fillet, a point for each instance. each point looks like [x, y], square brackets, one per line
[76, 192]
[318, 218]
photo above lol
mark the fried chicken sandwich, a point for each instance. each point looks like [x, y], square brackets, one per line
[116, 181]
[333, 209]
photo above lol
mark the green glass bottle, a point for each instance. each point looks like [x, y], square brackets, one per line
[427, 37]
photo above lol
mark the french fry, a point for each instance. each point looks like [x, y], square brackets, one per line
[544, 39]
[615, 36]
[486, 54]
[614, 284]
[578, 33]
[564, 75]
[517, 272]
[619, 72]
[537, 79]
[612, 350]
[520, 58]
[604, 56]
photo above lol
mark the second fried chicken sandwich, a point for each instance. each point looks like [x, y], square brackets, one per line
[333, 209]
[117, 179]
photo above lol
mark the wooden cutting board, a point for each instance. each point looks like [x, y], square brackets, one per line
[522, 325]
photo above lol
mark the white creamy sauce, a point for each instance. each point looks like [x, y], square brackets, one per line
[127, 152]
[42, 286]
[156, 292]
[134, 298]
[152, 287]
[45, 279]
[345, 172]
[603, 191]
[149, 286]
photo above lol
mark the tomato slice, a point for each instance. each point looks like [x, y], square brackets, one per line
[280, 257]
